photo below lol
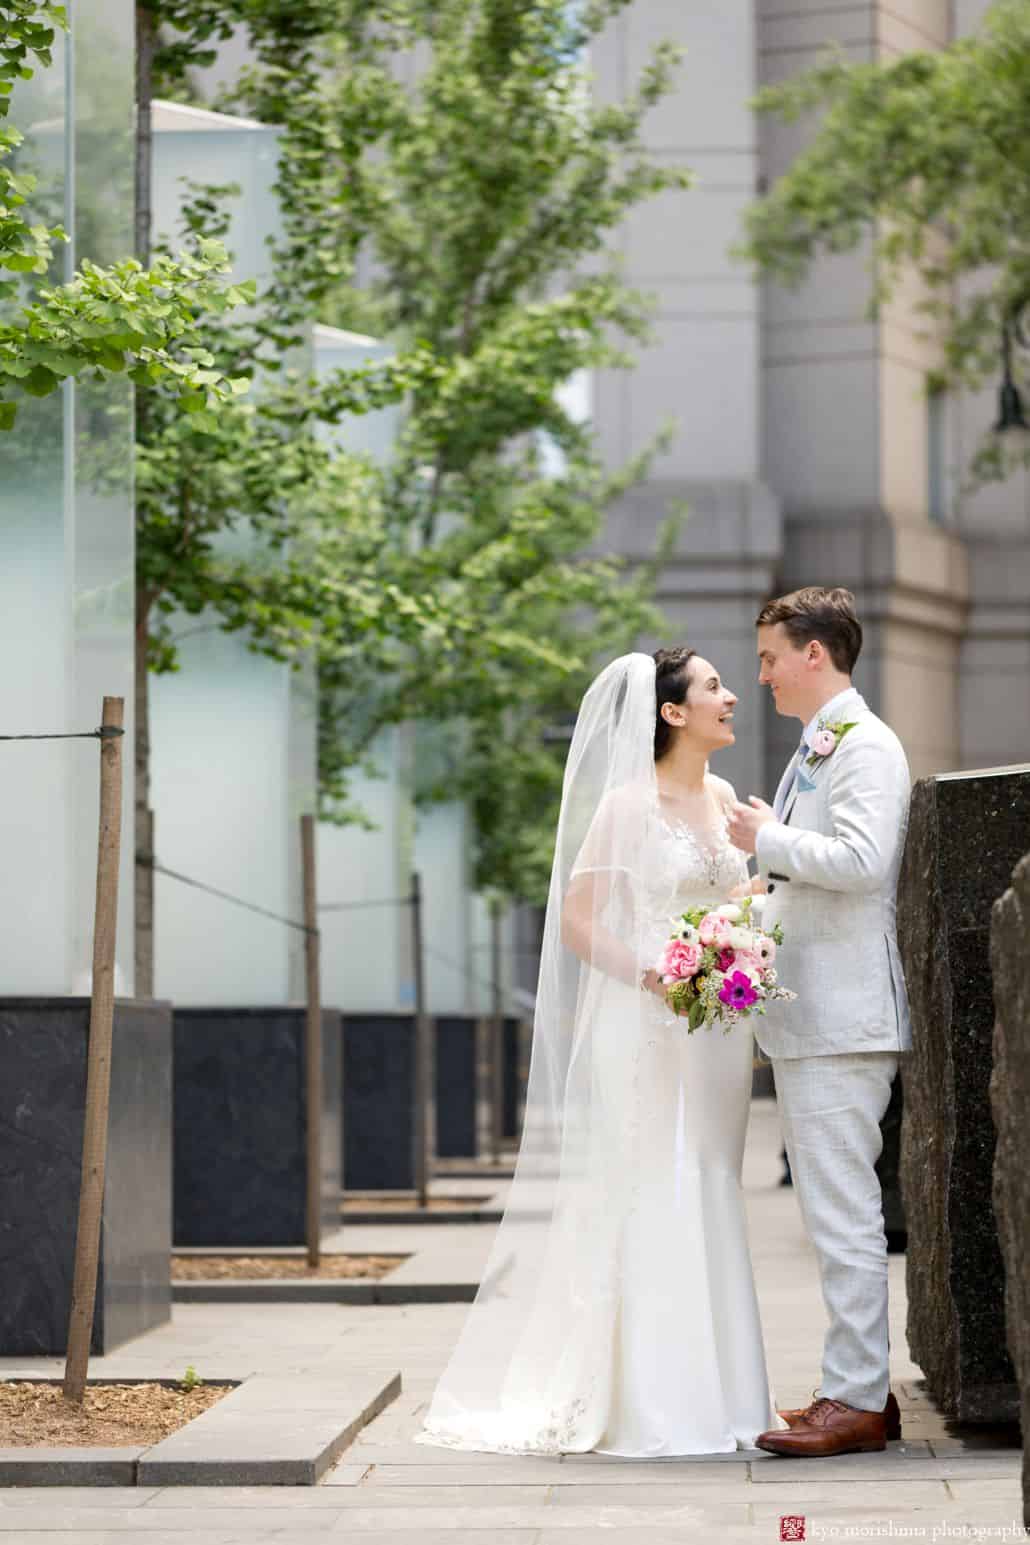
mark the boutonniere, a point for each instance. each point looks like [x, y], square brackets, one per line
[826, 740]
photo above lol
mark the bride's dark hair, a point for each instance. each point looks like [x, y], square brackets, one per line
[671, 679]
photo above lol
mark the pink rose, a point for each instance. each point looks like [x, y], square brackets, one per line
[716, 930]
[748, 961]
[823, 742]
[679, 961]
[726, 959]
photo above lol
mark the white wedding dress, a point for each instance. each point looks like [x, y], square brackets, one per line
[617, 1310]
[689, 1373]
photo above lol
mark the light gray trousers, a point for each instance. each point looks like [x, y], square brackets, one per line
[830, 1112]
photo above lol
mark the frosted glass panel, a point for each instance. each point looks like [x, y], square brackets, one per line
[366, 941]
[66, 541]
[227, 795]
[233, 734]
[370, 434]
[214, 148]
[367, 951]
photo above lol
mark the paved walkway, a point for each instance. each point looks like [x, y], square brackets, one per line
[937, 1485]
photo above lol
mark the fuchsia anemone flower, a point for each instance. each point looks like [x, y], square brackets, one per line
[737, 991]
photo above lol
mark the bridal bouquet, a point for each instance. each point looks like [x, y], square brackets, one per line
[720, 964]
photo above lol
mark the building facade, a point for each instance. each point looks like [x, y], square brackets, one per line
[807, 449]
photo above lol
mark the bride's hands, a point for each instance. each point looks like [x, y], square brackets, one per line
[652, 982]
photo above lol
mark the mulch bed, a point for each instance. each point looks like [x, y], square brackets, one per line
[111, 1415]
[260, 1268]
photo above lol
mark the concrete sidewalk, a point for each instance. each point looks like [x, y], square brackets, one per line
[935, 1485]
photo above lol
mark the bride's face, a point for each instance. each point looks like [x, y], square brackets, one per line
[706, 718]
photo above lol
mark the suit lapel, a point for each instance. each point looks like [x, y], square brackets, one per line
[784, 783]
[853, 704]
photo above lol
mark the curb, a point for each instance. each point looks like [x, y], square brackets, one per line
[357, 1218]
[269, 1431]
[288, 1290]
[69, 1466]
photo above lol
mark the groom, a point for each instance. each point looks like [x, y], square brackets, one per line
[830, 850]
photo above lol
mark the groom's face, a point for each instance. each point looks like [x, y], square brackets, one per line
[783, 668]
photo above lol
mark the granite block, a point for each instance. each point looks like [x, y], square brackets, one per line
[43, 1045]
[68, 1466]
[256, 1436]
[240, 1125]
[514, 1079]
[966, 832]
[888, 1167]
[378, 1102]
[1010, 1104]
[456, 1086]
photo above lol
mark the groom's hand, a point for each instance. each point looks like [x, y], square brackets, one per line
[745, 823]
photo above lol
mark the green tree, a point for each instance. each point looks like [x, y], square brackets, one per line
[107, 319]
[929, 153]
[480, 196]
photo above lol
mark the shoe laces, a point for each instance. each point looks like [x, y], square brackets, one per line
[823, 1406]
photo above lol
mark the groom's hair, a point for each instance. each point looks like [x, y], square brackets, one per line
[826, 615]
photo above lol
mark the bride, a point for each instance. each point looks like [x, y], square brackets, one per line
[617, 1312]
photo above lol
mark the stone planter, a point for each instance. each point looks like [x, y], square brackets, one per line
[240, 1125]
[464, 1085]
[42, 1096]
[459, 1046]
[966, 833]
[1010, 1103]
[379, 1102]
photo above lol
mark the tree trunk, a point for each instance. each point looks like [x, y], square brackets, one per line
[146, 39]
[144, 817]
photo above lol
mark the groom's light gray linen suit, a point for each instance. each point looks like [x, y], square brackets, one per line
[831, 862]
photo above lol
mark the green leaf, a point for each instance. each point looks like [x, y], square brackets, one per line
[8, 414]
[40, 382]
[21, 262]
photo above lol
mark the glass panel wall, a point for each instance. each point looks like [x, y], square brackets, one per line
[66, 537]
[232, 733]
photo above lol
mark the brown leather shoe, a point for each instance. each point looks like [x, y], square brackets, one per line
[829, 1427]
[891, 1414]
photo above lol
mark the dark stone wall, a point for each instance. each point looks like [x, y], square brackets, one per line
[378, 1100]
[1010, 1103]
[455, 1087]
[240, 1125]
[42, 1100]
[965, 834]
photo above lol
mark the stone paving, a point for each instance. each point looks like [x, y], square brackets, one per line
[938, 1484]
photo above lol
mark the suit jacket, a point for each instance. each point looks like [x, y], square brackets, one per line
[832, 870]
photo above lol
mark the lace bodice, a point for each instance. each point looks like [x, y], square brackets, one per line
[685, 869]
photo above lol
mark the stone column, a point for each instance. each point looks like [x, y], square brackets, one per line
[1010, 1102]
[966, 832]
[850, 443]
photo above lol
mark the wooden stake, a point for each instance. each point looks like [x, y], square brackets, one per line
[421, 1123]
[496, 1036]
[98, 1057]
[312, 1044]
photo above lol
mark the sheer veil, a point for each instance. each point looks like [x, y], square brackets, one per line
[532, 1370]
